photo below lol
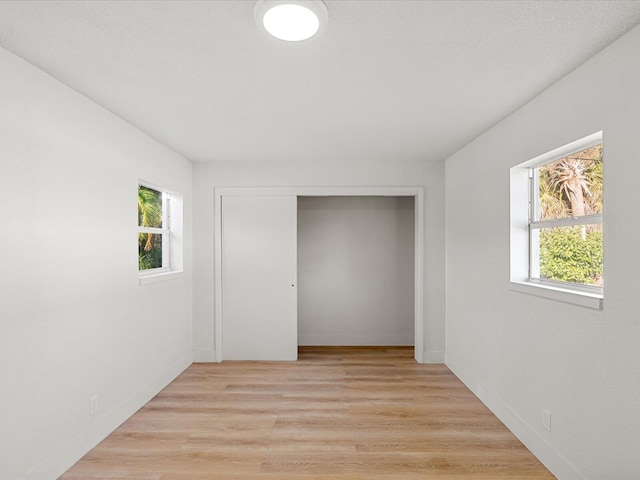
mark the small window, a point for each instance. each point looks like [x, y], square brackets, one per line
[565, 219]
[153, 230]
[556, 208]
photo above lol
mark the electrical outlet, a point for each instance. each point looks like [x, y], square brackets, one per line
[93, 405]
[546, 419]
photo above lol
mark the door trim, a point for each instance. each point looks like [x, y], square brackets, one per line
[416, 192]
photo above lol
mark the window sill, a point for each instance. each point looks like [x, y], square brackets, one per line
[582, 299]
[159, 277]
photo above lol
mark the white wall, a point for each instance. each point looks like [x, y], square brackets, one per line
[74, 321]
[522, 353]
[355, 270]
[338, 172]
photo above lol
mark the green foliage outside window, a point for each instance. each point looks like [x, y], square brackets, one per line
[572, 187]
[571, 255]
[149, 215]
[149, 251]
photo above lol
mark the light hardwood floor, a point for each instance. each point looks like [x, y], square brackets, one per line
[337, 413]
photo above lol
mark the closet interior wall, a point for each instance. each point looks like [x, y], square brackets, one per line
[356, 270]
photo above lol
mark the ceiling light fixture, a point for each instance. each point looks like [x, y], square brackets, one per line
[291, 20]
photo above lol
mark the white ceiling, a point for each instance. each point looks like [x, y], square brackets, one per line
[387, 81]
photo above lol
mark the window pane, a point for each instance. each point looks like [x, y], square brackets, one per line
[571, 254]
[149, 251]
[571, 186]
[149, 207]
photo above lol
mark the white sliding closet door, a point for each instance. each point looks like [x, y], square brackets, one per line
[259, 278]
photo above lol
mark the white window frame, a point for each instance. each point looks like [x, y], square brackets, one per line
[171, 260]
[525, 274]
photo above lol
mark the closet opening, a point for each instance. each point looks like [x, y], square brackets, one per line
[300, 267]
[356, 270]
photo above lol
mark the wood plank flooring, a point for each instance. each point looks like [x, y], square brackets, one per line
[338, 413]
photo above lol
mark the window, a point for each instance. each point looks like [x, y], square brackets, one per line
[557, 217]
[153, 230]
[160, 234]
[565, 219]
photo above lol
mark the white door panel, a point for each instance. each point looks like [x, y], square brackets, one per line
[259, 284]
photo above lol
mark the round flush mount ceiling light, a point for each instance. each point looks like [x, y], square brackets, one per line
[291, 20]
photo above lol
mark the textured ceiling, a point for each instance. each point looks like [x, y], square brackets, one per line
[387, 81]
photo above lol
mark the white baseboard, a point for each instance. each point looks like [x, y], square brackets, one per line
[541, 448]
[360, 339]
[434, 356]
[56, 464]
[204, 356]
